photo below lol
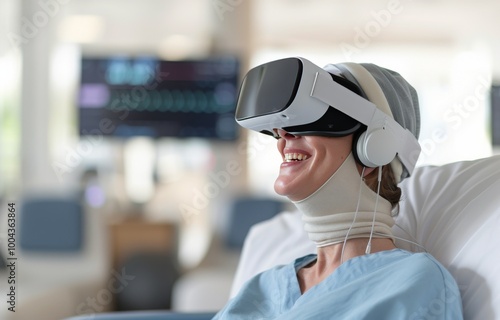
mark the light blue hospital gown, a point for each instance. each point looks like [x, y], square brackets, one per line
[393, 284]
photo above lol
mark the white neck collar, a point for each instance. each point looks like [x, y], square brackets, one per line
[330, 211]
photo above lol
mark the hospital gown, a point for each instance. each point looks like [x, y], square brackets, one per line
[393, 284]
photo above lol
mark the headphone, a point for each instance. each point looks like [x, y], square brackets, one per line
[378, 142]
[375, 147]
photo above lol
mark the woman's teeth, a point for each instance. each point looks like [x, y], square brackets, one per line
[289, 157]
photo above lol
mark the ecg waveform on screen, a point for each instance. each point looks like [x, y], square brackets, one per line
[196, 101]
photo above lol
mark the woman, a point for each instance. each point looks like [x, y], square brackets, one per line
[341, 171]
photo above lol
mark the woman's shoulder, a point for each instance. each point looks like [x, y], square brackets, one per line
[420, 284]
[398, 267]
[438, 290]
[420, 264]
[421, 272]
[425, 263]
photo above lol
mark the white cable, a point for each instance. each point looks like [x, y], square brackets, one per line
[402, 239]
[369, 245]
[410, 236]
[355, 214]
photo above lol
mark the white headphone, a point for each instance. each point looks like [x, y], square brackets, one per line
[376, 146]
[384, 139]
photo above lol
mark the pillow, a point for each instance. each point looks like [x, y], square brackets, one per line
[452, 210]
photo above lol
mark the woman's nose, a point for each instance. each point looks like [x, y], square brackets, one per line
[283, 134]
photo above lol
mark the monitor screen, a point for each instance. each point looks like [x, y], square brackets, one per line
[125, 97]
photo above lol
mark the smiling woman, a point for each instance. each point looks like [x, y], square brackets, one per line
[347, 135]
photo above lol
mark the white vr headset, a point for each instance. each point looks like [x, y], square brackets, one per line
[301, 98]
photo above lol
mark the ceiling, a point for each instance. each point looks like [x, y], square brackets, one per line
[391, 20]
[176, 29]
[148, 24]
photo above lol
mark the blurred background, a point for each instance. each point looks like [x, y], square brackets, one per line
[119, 149]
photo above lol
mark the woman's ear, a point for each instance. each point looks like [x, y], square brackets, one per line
[367, 170]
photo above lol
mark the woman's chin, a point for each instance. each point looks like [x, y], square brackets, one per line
[278, 188]
[284, 189]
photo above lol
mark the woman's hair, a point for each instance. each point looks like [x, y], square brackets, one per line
[389, 189]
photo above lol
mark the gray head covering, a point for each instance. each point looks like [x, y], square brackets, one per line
[398, 94]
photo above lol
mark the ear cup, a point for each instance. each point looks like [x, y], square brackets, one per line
[355, 141]
[376, 148]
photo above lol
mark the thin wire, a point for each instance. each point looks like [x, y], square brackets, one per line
[369, 245]
[355, 215]
[402, 239]
[409, 235]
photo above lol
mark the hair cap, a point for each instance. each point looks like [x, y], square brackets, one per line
[391, 93]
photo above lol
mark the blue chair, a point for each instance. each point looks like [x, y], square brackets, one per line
[49, 224]
[247, 211]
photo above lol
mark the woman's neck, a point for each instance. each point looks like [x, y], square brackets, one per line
[344, 206]
[330, 258]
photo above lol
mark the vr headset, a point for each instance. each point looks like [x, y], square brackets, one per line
[301, 98]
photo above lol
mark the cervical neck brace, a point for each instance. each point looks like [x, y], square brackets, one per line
[330, 211]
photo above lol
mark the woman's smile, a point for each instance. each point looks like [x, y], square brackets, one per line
[308, 161]
[292, 157]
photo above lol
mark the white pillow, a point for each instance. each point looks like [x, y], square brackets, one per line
[452, 210]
